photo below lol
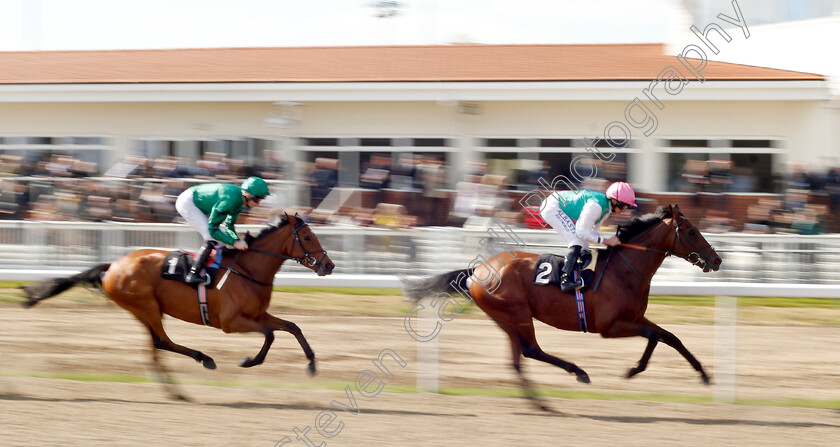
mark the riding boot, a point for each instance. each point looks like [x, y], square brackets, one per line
[196, 276]
[567, 282]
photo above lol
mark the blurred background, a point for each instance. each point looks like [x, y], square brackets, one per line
[406, 133]
[413, 119]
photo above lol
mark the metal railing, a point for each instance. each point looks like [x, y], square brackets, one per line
[746, 258]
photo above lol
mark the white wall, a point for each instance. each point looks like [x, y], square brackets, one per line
[805, 126]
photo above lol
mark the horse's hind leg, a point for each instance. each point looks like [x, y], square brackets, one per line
[516, 351]
[531, 349]
[163, 373]
[161, 341]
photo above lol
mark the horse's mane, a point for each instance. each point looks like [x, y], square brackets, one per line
[280, 221]
[642, 223]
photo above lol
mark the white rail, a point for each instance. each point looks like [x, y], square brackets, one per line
[753, 265]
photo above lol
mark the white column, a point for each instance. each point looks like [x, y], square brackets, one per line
[726, 348]
[427, 352]
[647, 170]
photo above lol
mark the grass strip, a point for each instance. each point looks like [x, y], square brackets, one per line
[506, 392]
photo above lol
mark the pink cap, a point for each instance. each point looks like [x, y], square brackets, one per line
[623, 193]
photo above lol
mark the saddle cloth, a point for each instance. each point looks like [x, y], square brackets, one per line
[549, 269]
[177, 264]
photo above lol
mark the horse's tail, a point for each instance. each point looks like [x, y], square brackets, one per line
[42, 290]
[420, 288]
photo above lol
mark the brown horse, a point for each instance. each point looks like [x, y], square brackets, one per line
[615, 309]
[134, 282]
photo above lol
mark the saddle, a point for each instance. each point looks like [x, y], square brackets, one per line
[178, 262]
[550, 268]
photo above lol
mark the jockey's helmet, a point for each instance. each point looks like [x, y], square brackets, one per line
[623, 193]
[255, 186]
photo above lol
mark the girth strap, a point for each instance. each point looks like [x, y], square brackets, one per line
[581, 307]
[202, 305]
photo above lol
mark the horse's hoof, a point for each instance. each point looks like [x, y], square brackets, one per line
[582, 377]
[311, 368]
[246, 362]
[632, 372]
[28, 304]
[706, 380]
[209, 363]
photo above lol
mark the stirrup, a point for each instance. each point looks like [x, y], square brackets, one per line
[570, 285]
[197, 278]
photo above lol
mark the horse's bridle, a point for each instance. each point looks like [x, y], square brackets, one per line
[693, 256]
[697, 259]
[306, 260]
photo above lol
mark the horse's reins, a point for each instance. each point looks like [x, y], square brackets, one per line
[693, 255]
[671, 252]
[306, 260]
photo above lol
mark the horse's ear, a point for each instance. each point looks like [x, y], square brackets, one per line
[297, 214]
[677, 208]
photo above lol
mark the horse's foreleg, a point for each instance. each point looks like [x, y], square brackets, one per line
[646, 328]
[284, 325]
[267, 324]
[674, 342]
[628, 329]
[643, 362]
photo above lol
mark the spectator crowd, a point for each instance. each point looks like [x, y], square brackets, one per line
[408, 190]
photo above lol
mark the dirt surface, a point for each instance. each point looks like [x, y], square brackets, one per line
[231, 406]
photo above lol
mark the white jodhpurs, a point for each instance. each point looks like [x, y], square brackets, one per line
[187, 209]
[553, 215]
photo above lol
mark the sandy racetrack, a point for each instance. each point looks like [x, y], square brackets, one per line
[103, 342]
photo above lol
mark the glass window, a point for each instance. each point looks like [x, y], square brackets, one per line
[430, 142]
[374, 142]
[319, 141]
[500, 142]
[688, 143]
[690, 172]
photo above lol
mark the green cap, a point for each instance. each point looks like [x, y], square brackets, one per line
[255, 186]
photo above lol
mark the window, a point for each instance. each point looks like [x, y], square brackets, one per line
[747, 161]
[500, 142]
[555, 142]
[688, 143]
[319, 141]
[753, 143]
[374, 142]
[89, 151]
[430, 142]
[748, 172]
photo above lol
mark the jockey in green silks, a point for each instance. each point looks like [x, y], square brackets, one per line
[577, 216]
[212, 209]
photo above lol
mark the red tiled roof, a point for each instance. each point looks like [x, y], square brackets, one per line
[591, 62]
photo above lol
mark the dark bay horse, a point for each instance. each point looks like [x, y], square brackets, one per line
[615, 309]
[134, 282]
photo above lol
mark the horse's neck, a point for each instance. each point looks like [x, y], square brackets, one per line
[645, 262]
[261, 266]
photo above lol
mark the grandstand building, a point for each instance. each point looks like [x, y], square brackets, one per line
[511, 105]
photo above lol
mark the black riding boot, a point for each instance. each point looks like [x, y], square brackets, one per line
[195, 276]
[567, 282]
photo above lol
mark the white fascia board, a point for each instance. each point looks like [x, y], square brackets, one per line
[412, 91]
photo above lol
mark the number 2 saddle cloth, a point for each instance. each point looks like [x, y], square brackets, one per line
[549, 268]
